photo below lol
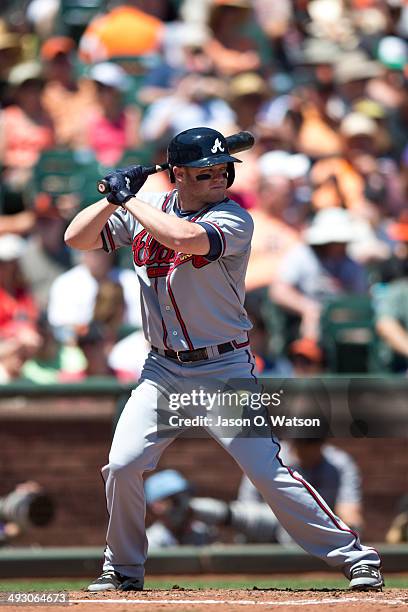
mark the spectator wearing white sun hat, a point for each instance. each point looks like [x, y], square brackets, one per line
[319, 268]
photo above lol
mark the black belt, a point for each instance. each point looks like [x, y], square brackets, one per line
[195, 355]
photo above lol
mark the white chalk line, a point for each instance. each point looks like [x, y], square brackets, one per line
[244, 602]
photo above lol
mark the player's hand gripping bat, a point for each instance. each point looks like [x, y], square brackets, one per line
[241, 141]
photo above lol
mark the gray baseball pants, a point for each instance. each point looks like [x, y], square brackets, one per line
[137, 447]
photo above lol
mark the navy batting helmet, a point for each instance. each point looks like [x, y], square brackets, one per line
[199, 148]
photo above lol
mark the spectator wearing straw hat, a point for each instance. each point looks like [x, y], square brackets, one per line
[232, 53]
[10, 52]
[318, 269]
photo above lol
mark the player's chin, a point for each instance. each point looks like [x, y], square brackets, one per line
[215, 194]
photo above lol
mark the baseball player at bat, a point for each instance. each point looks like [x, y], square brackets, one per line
[190, 250]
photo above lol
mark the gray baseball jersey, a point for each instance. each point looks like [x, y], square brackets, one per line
[189, 301]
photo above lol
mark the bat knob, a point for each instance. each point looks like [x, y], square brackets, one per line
[103, 186]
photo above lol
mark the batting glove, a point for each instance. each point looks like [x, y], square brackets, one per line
[124, 183]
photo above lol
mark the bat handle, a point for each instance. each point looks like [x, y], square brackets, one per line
[104, 187]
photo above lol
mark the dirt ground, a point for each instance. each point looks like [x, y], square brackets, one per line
[261, 599]
[204, 599]
[228, 600]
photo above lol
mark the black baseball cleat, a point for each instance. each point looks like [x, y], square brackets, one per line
[110, 580]
[366, 578]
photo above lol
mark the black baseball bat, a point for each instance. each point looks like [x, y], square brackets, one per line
[241, 141]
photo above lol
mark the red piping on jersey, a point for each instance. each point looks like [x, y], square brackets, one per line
[200, 214]
[178, 314]
[173, 301]
[110, 237]
[165, 335]
[170, 270]
[166, 200]
[162, 320]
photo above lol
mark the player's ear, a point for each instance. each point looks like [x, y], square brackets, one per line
[179, 174]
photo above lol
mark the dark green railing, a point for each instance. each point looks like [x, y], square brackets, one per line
[95, 386]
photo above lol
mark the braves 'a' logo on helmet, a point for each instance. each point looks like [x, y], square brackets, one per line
[217, 145]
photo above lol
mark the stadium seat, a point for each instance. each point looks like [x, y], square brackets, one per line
[143, 155]
[75, 15]
[347, 335]
[91, 171]
[63, 171]
[57, 173]
[275, 319]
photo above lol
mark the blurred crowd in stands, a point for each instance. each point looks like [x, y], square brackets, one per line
[322, 84]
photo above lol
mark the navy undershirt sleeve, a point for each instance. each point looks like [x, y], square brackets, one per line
[215, 241]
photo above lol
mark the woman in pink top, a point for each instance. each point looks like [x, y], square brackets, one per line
[116, 127]
[25, 127]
